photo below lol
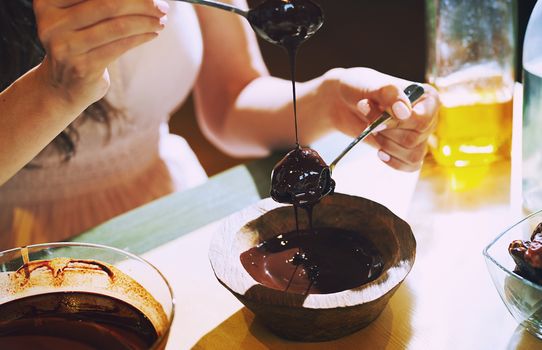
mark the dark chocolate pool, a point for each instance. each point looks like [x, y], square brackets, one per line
[319, 261]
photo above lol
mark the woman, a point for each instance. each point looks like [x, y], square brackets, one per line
[83, 133]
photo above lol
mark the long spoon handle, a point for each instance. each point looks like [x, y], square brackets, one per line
[218, 5]
[414, 92]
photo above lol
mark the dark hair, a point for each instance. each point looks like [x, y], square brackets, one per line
[21, 50]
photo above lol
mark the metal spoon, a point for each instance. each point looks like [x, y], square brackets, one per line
[277, 21]
[218, 5]
[302, 177]
[414, 92]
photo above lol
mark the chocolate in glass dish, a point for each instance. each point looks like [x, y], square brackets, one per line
[528, 256]
[78, 304]
[74, 321]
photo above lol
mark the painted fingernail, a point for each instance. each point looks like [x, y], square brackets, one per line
[163, 20]
[162, 6]
[363, 107]
[400, 110]
[384, 156]
[380, 128]
[419, 109]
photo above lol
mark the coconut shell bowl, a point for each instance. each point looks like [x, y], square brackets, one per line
[309, 316]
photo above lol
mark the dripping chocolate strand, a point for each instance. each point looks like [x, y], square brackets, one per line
[292, 52]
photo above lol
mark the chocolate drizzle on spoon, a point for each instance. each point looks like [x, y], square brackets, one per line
[301, 178]
[286, 22]
[281, 22]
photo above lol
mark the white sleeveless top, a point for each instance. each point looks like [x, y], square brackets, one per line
[119, 167]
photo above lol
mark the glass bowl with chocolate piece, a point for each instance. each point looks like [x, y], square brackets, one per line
[80, 296]
[314, 282]
[514, 261]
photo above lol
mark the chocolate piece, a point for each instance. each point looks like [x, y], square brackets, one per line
[537, 230]
[301, 178]
[533, 255]
[320, 261]
[528, 256]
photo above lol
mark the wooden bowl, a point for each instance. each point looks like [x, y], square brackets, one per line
[314, 317]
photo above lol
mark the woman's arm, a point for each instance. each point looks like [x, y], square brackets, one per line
[246, 112]
[81, 38]
[240, 107]
[33, 114]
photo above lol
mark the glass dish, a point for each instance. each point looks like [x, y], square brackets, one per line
[522, 297]
[89, 268]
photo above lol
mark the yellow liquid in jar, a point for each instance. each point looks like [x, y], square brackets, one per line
[475, 120]
[472, 135]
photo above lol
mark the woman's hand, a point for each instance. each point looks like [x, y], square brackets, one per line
[82, 37]
[359, 95]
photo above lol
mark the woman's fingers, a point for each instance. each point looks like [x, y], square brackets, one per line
[54, 21]
[64, 3]
[418, 126]
[403, 144]
[92, 12]
[42, 4]
[85, 77]
[110, 31]
[100, 57]
[392, 99]
[81, 38]
[383, 90]
[364, 94]
[399, 157]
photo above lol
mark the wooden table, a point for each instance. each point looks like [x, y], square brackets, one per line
[446, 302]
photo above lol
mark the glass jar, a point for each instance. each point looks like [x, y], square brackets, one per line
[471, 59]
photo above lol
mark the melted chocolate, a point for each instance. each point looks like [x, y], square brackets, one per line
[301, 178]
[321, 261]
[286, 22]
[74, 321]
